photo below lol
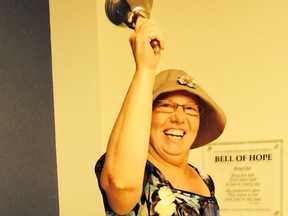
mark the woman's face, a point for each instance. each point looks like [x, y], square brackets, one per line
[172, 134]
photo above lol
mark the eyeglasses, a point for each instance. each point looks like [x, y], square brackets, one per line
[168, 106]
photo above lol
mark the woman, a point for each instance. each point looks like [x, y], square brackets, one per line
[145, 169]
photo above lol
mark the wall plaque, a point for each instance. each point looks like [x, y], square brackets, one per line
[247, 175]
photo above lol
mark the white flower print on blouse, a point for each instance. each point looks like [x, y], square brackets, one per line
[166, 205]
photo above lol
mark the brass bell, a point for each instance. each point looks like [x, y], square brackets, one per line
[126, 12]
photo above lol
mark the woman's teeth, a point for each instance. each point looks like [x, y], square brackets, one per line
[174, 132]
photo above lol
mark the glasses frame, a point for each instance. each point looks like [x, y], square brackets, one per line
[176, 105]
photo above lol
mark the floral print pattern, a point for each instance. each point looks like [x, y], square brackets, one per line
[159, 198]
[166, 205]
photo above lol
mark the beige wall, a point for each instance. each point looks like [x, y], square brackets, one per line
[237, 50]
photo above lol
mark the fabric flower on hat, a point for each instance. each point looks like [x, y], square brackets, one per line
[187, 80]
[166, 205]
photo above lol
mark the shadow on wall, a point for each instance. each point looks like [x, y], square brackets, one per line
[28, 175]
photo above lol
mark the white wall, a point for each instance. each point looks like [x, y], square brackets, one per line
[237, 50]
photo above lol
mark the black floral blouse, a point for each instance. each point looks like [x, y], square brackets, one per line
[159, 198]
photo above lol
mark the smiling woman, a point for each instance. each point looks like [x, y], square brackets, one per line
[236, 50]
[145, 169]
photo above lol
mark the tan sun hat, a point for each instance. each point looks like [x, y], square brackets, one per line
[212, 121]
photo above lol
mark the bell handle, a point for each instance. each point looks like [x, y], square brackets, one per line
[155, 45]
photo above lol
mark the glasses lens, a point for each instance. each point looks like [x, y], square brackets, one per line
[165, 106]
[192, 109]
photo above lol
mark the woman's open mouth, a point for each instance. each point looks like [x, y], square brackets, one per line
[175, 133]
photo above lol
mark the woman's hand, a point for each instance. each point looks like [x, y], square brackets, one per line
[145, 57]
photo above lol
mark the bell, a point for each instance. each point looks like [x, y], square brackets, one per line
[126, 12]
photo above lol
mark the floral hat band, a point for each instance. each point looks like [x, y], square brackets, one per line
[212, 121]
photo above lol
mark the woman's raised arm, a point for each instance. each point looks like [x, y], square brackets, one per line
[126, 154]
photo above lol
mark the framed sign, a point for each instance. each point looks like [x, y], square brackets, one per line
[247, 175]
